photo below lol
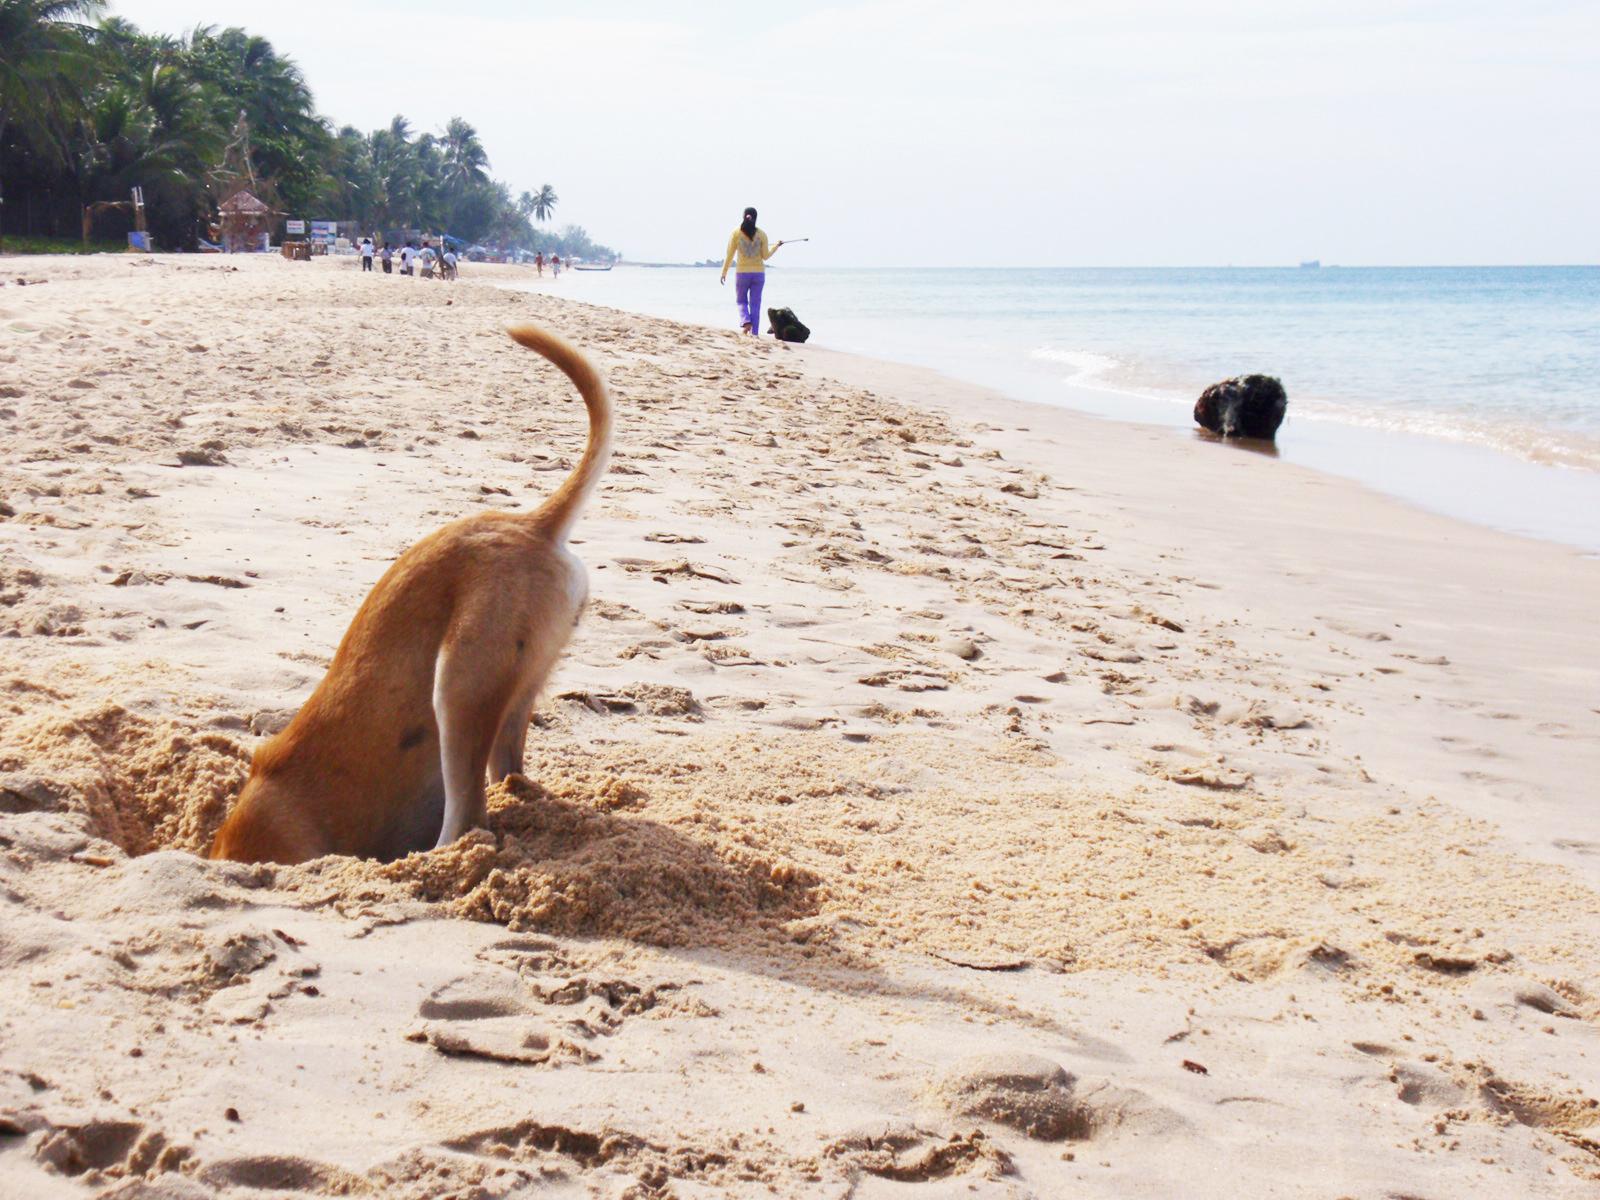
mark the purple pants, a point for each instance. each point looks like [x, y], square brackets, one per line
[747, 295]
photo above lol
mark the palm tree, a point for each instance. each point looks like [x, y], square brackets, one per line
[87, 112]
[544, 202]
[393, 166]
[147, 125]
[466, 165]
[184, 142]
[428, 182]
[44, 61]
[354, 187]
[288, 140]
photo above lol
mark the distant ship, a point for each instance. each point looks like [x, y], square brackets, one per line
[1311, 264]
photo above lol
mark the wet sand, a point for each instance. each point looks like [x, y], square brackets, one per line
[941, 795]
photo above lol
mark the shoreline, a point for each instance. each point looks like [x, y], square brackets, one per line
[1486, 485]
[1541, 586]
[940, 792]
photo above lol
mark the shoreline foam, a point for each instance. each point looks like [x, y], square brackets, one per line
[1539, 446]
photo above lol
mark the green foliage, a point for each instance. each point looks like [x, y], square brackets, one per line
[46, 60]
[572, 242]
[42, 245]
[89, 111]
[542, 204]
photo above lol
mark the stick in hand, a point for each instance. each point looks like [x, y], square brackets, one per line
[781, 242]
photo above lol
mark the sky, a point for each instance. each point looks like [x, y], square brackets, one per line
[936, 133]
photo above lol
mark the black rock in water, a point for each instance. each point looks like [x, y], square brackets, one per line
[1246, 406]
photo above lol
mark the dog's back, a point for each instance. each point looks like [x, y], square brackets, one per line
[785, 326]
[1247, 406]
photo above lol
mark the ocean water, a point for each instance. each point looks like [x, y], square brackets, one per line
[1471, 390]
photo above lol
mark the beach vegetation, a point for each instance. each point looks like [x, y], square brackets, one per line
[91, 108]
[542, 204]
[46, 58]
[44, 245]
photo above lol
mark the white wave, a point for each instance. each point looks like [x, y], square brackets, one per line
[1531, 443]
[1547, 447]
[1086, 364]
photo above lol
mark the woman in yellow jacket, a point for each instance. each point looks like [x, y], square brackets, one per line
[749, 245]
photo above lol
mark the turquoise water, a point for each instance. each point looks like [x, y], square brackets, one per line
[1502, 363]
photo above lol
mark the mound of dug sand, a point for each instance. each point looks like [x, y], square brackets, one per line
[569, 865]
[1036, 1096]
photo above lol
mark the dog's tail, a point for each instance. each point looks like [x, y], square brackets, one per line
[561, 510]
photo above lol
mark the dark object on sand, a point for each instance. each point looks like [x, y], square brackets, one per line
[1246, 406]
[785, 326]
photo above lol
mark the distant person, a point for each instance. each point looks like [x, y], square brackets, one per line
[388, 259]
[407, 253]
[450, 261]
[538, 261]
[555, 265]
[749, 246]
[427, 258]
[366, 254]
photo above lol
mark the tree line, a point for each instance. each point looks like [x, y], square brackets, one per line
[91, 107]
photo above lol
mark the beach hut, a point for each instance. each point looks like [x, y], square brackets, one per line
[245, 221]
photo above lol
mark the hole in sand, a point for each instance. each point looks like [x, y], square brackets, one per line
[575, 857]
[143, 785]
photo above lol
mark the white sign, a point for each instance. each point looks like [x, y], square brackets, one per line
[297, 226]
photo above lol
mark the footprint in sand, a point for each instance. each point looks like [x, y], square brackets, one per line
[906, 681]
[1349, 630]
[282, 1173]
[1426, 1086]
[108, 1147]
[909, 1154]
[1577, 845]
[491, 1016]
[709, 607]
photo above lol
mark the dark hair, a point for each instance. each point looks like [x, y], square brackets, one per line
[748, 225]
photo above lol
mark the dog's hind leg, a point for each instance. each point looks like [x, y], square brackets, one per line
[468, 707]
[508, 744]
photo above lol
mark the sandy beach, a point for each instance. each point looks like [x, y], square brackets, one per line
[941, 795]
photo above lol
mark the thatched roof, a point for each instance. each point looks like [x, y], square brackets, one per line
[243, 203]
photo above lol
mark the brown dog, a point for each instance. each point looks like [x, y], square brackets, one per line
[434, 682]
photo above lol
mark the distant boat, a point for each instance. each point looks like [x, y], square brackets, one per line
[1311, 264]
[594, 266]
